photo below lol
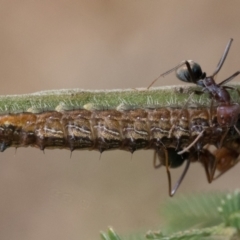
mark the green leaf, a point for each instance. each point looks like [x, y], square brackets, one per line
[214, 233]
[110, 235]
[191, 211]
[229, 209]
[209, 216]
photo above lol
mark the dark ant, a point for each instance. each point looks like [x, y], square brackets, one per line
[168, 157]
[189, 71]
[227, 116]
[171, 159]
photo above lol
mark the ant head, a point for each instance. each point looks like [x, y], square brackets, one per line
[174, 159]
[184, 75]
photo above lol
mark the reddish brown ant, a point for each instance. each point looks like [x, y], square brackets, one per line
[227, 112]
[189, 71]
[227, 116]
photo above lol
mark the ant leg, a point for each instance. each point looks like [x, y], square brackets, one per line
[229, 78]
[191, 144]
[211, 112]
[213, 170]
[173, 69]
[210, 166]
[222, 138]
[237, 130]
[206, 168]
[170, 192]
[155, 164]
[168, 175]
[223, 58]
[232, 88]
[173, 191]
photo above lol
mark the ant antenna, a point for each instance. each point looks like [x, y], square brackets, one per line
[171, 70]
[190, 145]
[223, 58]
[237, 130]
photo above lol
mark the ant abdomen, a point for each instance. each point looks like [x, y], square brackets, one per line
[226, 158]
[184, 75]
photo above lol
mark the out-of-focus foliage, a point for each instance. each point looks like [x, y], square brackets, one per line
[201, 216]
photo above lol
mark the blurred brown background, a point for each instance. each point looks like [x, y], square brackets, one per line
[101, 44]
